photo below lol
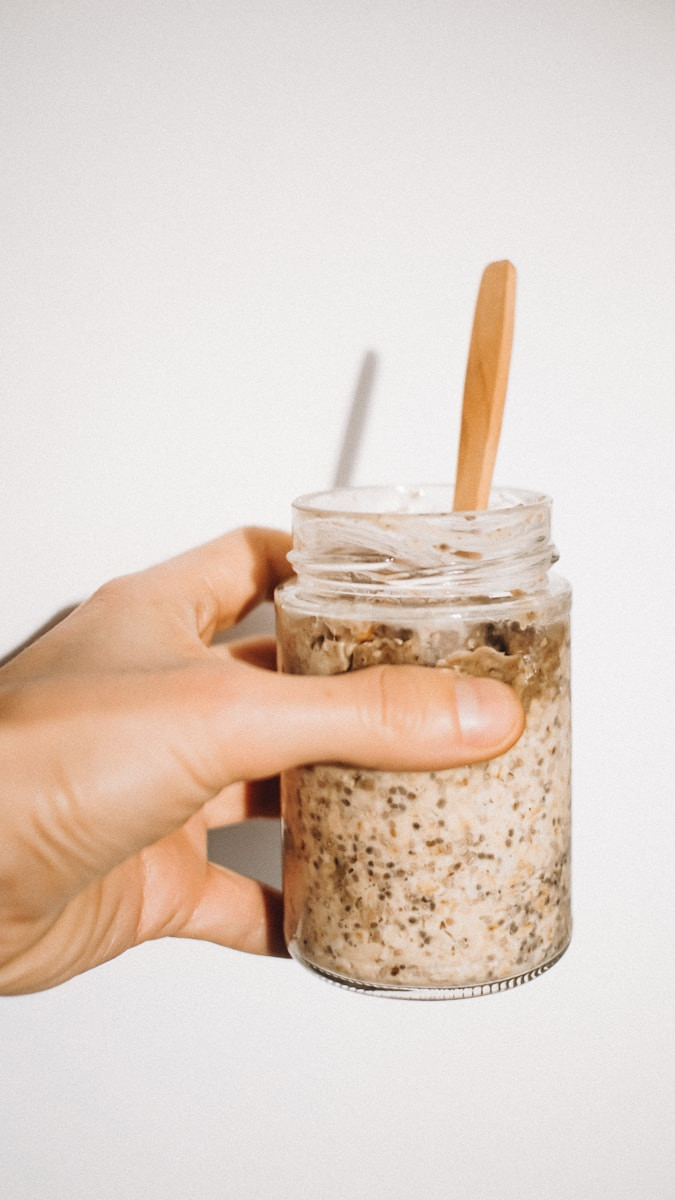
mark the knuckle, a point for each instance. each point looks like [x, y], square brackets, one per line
[112, 594]
[412, 711]
[391, 708]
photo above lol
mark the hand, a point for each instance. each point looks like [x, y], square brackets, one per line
[125, 734]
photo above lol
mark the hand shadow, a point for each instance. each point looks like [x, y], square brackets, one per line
[38, 633]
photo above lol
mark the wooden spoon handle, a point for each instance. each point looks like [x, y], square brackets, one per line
[487, 372]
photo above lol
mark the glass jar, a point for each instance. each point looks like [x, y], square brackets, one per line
[437, 884]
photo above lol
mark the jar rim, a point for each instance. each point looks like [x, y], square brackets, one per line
[435, 499]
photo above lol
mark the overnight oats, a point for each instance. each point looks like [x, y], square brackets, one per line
[446, 883]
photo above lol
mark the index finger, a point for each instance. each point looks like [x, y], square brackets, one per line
[221, 581]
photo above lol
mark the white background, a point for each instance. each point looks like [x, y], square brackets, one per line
[211, 210]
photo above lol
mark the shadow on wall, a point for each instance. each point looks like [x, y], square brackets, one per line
[253, 849]
[38, 633]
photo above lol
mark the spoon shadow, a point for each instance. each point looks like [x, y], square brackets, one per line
[356, 420]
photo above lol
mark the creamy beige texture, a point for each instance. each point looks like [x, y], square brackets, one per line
[449, 879]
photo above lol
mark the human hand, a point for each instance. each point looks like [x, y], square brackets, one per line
[126, 733]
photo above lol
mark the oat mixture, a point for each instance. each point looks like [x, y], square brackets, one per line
[452, 879]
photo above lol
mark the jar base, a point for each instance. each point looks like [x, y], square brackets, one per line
[400, 991]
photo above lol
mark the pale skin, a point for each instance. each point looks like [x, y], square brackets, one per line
[126, 734]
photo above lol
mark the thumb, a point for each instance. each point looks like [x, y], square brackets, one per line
[384, 717]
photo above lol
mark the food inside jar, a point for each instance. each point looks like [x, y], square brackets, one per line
[454, 878]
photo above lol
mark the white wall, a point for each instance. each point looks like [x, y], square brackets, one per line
[211, 210]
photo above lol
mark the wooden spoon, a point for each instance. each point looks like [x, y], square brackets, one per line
[487, 372]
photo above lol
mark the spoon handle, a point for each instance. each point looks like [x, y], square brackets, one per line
[487, 372]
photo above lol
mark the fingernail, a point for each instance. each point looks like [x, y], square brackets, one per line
[489, 712]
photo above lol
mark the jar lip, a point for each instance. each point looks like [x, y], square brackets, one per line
[435, 499]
